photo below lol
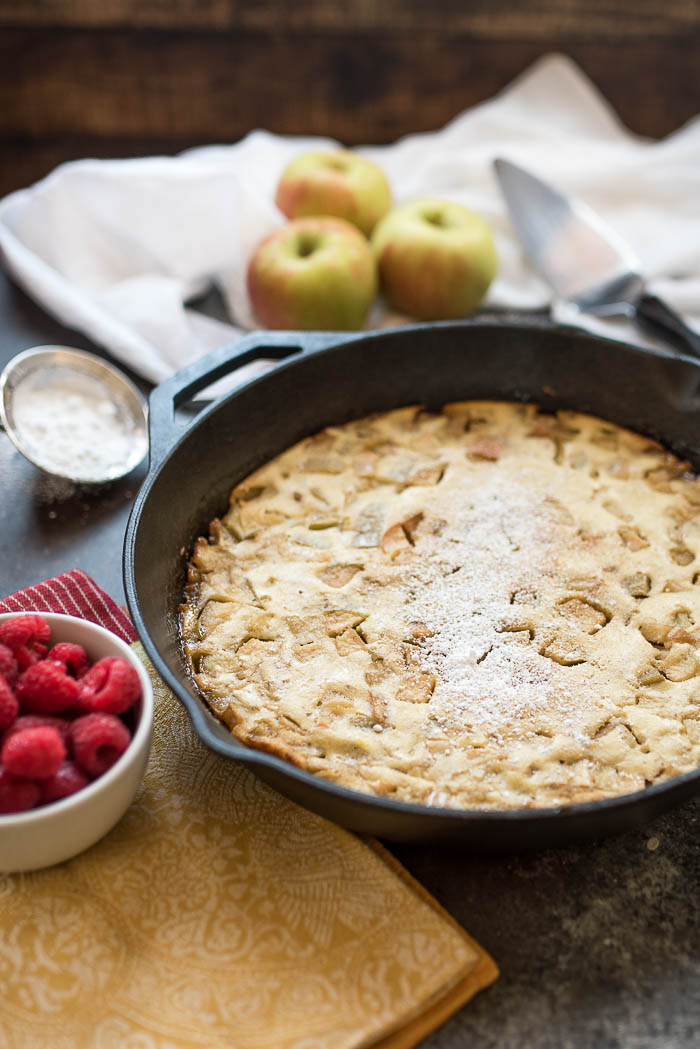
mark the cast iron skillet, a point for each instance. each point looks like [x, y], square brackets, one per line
[326, 378]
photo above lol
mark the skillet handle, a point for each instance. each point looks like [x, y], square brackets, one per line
[181, 387]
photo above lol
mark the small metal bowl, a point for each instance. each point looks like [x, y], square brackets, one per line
[73, 415]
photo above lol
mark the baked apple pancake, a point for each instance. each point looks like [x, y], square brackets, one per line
[483, 607]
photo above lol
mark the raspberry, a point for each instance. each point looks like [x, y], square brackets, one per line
[28, 629]
[33, 753]
[73, 657]
[45, 687]
[9, 707]
[39, 721]
[17, 795]
[67, 780]
[110, 686]
[26, 656]
[8, 665]
[98, 740]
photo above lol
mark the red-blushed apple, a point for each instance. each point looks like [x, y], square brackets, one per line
[336, 182]
[436, 259]
[313, 273]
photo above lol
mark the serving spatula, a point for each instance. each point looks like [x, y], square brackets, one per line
[582, 259]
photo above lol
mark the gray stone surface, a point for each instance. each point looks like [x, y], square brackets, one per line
[598, 944]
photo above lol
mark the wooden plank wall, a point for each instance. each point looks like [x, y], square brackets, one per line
[129, 77]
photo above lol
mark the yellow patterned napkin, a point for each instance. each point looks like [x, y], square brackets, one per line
[219, 915]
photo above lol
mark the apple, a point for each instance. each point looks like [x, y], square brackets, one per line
[335, 182]
[436, 259]
[313, 273]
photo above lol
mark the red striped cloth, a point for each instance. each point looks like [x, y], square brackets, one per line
[74, 594]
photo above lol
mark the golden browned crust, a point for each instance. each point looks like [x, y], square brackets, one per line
[486, 607]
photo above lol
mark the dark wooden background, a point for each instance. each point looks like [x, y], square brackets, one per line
[128, 77]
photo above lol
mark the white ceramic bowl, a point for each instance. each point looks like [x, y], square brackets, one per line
[52, 833]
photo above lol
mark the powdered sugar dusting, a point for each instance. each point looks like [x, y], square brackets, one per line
[497, 548]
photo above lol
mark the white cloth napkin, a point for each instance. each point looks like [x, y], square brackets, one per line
[118, 248]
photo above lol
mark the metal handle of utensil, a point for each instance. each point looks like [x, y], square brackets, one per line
[164, 429]
[655, 315]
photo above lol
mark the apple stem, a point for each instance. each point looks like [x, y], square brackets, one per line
[435, 218]
[307, 245]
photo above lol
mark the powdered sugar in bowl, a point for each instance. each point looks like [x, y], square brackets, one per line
[73, 415]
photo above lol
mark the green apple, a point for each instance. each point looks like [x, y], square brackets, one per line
[313, 273]
[436, 259]
[336, 182]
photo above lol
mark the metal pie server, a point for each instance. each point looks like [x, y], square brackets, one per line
[582, 259]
